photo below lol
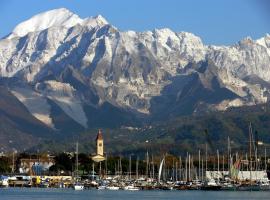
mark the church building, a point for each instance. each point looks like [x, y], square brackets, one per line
[99, 156]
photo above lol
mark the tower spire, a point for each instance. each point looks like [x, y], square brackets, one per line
[99, 156]
[99, 143]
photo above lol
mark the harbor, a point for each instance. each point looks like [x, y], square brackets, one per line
[233, 171]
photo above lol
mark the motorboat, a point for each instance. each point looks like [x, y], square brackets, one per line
[78, 186]
[228, 186]
[101, 187]
[210, 185]
[112, 188]
[264, 184]
[131, 188]
[4, 181]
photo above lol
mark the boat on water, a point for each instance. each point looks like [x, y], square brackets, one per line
[194, 185]
[147, 187]
[101, 187]
[264, 184]
[112, 188]
[77, 185]
[131, 188]
[211, 185]
[253, 184]
[165, 187]
[248, 187]
[44, 185]
[227, 186]
[4, 181]
[94, 184]
[181, 185]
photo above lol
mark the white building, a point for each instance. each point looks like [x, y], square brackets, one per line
[242, 175]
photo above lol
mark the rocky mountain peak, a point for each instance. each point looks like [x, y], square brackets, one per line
[45, 20]
[83, 66]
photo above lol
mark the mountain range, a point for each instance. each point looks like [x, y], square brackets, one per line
[61, 75]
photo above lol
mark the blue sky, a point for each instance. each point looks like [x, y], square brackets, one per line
[215, 21]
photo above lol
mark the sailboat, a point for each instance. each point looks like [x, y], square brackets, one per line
[251, 186]
[160, 169]
[77, 185]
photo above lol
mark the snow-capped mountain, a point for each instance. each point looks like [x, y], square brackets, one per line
[87, 69]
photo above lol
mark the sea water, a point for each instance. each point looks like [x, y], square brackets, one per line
[69, 194]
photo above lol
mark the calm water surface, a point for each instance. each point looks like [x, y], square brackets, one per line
[68, 194]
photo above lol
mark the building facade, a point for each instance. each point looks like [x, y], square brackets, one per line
[99, 156]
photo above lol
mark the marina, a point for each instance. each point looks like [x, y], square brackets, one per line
[232, 172]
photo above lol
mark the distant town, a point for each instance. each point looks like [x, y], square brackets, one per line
[203, 171]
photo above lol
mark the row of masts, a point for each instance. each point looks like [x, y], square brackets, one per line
[184, 168]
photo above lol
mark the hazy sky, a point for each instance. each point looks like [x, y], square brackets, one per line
[215, 21]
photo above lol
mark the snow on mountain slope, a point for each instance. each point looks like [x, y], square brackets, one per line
[127, 69]
[245, 58]
[265, 42]
[42, 21]
[28, 54]
[94, 21]
[54, 18]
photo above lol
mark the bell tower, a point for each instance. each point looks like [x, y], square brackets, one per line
[99, 143]
[99, 156]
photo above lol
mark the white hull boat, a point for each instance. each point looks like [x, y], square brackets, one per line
[112, 188]
[78, 187]
[131, 188]
[4, 183]
[101, 187]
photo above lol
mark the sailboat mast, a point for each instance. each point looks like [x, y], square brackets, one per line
[176, 171]
[189, 167]
[206, 159]
[129, 167]
[13, 162]
[137, 168]
[229, 154]
[247, 167]
[106, 166]
[180, 168]
[218, 163]
[202, 171]
[93, 170]
[77, 160]
[186, 174]
[172, 171]
[265, 164]
[199, 164]
[250, 152]
[120, 166]
[147, 164]
[153, 167]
